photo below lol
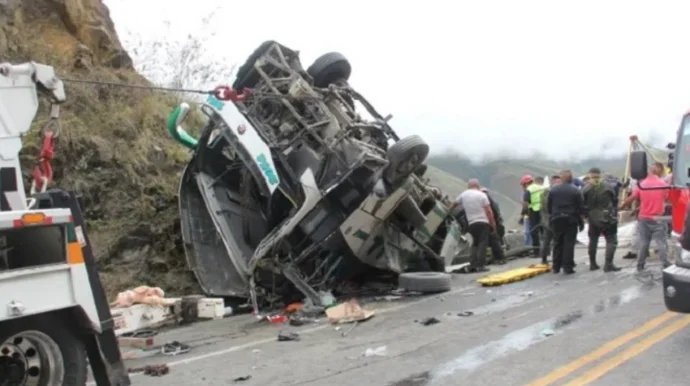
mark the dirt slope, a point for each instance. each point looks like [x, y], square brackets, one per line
[113, 148]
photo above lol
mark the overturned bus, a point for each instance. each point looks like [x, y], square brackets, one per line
[296, 183]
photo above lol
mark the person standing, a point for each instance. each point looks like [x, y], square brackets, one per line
[532, 201]
[497, 235]
[650, 226]
[481, 222]
[547, 232]
[565, 207]
[524, 214]
[600, 205]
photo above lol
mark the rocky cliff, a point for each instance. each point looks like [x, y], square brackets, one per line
[113, 148]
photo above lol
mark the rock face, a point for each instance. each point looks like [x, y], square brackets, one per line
[69, 26]
[113, 148]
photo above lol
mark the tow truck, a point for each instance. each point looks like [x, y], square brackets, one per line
[54, 315]
[675, 278]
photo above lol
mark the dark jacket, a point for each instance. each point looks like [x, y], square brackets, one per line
[545, 221]
[565, 200]
[500, 229]
[600, 204]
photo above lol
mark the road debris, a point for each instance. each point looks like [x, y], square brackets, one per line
[175, 348]
[466, 313]
[152, 296]
[242, 379]
[344, 333]
[429, 321]
[151, 370]
[380, 351]
[288, 337]
[348, 312]
[547, 332]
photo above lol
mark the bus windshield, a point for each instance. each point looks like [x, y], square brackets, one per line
[681, 158]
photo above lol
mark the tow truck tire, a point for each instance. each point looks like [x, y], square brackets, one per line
[34, 336]
[425, 282]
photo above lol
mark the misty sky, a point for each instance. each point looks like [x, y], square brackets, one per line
[566, 78]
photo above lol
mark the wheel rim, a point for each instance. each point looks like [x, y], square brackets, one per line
[30, 358]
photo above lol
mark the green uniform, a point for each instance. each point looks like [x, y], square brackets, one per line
[600, 207]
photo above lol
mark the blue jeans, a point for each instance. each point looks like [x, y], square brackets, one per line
[528, 234]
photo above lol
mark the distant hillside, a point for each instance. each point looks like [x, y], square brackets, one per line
[503, 175]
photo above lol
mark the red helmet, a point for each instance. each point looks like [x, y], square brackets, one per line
[526, 179]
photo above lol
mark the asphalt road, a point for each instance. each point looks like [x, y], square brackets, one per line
[589, 328]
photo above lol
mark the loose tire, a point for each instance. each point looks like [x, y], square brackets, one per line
[329, 68]
[404, 157]
[40, 350]
[425, 282]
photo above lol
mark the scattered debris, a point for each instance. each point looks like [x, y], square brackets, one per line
[275, 319]
[297, 320]
[151, 370]
[175, 348]
[288, 336]
[348, 312]
[294, 307]
[344, 333]
[466, 313]
[152, 296]
[547, 332]
[429, 321]
[381, 351]
[242, 379]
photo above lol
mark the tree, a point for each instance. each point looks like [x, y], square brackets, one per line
[184, 63]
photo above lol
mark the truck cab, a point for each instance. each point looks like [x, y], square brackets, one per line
[55, 320]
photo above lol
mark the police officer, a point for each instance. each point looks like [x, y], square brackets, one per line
[547, 232]
[532, 202]
[565, 207]
[600, 205]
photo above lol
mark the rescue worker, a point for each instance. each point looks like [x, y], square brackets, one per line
[652, 207]
[547, 233]
[496, 238]
[532, 202]
[565, 207]
[481, 222]
[600, 205]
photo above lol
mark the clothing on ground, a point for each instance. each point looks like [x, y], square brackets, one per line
[652, 201]
[473, 202]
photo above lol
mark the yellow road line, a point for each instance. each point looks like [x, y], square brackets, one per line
[635, 350]
[607, 348]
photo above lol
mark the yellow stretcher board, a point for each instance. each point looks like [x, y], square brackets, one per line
[514, 275]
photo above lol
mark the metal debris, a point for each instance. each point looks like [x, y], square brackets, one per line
[288, 336]
[151, 370]
[429, 321]
[242, 379]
